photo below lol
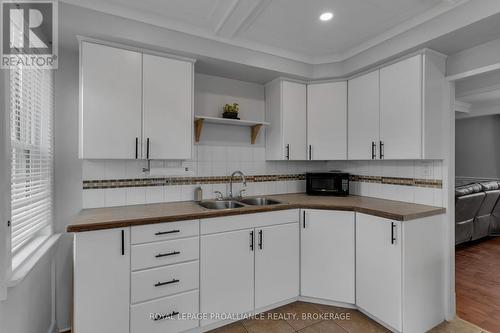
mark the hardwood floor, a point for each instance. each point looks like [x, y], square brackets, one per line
[478, 283]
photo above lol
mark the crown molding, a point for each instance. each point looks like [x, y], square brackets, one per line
[220, 35]
[462, 107]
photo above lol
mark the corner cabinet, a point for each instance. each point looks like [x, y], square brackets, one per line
[286, 111]
[399, 271]
[396, 111]
[134, 105]
[327, 255]
[327, 121]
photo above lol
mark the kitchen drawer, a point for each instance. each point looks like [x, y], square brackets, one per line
[164, 231]
[164, 281]
[164, 253]
[247, 221]
[140, 314]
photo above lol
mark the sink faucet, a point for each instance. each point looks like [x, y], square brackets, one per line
[231, 182]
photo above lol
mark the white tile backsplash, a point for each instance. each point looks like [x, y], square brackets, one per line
[136, 195]
[93, 199]
[154, 194]
[172, 193]
[219, 160]
[115, 197]
[93, 170]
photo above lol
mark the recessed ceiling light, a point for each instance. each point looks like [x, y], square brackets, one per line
[327, 16]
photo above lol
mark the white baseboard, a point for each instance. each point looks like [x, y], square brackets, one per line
[218, 324]
[327, 302]
[65, 330]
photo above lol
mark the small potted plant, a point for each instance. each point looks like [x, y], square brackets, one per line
[231, 111]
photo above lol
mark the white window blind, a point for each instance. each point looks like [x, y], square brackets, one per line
[31, 123]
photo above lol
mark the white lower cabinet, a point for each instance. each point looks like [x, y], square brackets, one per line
[399, 271]
[169, 314]
[378, 268]
[164, 281]
[102, 281]
[391, 270]
[276, 264]
[244, 270]
[226, 273]
[327, 255]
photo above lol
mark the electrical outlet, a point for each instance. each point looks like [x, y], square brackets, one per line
[428, 168]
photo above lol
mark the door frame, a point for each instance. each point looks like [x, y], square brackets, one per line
[449, 186]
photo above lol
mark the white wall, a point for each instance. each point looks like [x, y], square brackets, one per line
[29, 305]
[477, 150]
[68, 178]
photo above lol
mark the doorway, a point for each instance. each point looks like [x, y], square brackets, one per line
[477, 200]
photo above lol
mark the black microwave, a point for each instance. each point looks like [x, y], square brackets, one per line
[333, 183]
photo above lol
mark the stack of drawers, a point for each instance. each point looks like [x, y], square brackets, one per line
[165, 276]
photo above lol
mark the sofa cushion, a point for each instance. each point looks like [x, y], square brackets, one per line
[468, 189]
[463, 232]
[466, 207]
[490, 186]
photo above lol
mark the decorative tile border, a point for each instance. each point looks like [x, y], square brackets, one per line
[170, 181]
[432, 183]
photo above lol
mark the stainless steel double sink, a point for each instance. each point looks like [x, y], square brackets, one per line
[230, 203]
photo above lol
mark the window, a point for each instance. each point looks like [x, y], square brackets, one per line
[31, 120]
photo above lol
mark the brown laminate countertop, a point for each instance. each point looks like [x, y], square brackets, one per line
[126, 216]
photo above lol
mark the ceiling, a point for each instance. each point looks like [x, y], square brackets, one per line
[480, 93]
[286, 28]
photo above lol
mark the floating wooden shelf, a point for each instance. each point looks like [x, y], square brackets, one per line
[255, 126]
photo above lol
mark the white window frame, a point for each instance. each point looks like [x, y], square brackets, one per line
[20, 263]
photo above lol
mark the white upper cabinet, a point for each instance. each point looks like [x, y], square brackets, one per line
[110, 102]
[327, 121]
[401, 109]
[286, 111]
[363, 123]
[167, 107]
[129, 99]
[396, 112]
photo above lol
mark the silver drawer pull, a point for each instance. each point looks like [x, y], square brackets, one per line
[160, 255]
[159, 233]
[159, 284]
[165, 316]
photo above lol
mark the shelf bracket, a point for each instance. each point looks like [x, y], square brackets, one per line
[255, 132]
[198, 126]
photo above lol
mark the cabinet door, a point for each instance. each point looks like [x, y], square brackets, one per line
[102, 281]
[327, 121]
[378, 268]
[110, 102]
[401, 109]
[363, 117]
[276, 264]
[226, 273]
[167, 107]
[294, 115]
[327, 255]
